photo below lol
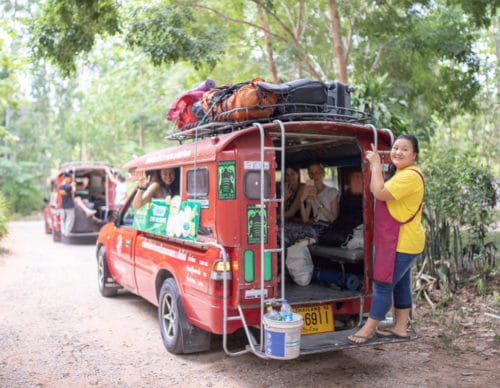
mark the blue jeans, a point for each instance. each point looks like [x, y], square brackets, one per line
[400, 289]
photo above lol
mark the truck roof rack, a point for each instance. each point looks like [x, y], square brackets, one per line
[285, 112]
[81, 163]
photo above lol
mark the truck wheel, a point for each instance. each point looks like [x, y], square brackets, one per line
[178, 335]
[56, 235]
[56, 228]
[48, 227]
[106, 288]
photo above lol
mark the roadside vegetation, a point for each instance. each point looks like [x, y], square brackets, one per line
[102, 75]
[4, 216]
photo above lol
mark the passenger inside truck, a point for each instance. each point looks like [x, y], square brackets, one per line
[155, 184]
[82, 187]
[350, 208]
[319, 207]
[293, 190]
[82, 196]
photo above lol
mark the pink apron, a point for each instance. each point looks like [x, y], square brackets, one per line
[385, 241]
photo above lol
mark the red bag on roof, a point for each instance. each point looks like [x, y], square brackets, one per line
[181, 110]
[244, 101]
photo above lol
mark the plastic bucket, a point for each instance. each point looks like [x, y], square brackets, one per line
[282, 339]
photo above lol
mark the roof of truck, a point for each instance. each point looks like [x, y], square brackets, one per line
[205, 146]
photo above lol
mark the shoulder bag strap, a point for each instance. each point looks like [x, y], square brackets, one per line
[421, 203]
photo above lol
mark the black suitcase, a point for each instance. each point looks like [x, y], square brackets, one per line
[310, 96]
[298, 96]
[339, 96]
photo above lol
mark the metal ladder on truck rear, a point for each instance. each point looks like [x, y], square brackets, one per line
[258, 347]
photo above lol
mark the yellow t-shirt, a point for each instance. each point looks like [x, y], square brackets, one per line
[407, 187]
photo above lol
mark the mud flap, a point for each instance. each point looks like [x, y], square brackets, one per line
[194, 340]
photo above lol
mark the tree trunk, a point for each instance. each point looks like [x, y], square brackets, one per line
[338, 45]
[269, 47]
[496, 34]
[141, 137]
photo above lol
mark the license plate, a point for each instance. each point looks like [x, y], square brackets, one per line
[317, 319]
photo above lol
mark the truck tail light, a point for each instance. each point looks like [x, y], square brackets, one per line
[217, 275]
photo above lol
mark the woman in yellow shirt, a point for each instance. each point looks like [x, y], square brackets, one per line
[398, 238]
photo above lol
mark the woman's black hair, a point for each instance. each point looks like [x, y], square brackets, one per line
[294, 168]
[414, 142]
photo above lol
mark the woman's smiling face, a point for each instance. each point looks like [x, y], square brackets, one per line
[403, 154]
[167, 176]
[316, 172]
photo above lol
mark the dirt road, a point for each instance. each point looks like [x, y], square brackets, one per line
[57, 331]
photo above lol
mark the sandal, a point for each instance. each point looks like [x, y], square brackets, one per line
[364, 339]
[390, 333]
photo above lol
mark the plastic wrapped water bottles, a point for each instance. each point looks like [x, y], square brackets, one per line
[272, 314]
[286, 311]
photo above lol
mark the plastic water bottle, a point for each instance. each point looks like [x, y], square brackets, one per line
[286, 311]
[272, 314]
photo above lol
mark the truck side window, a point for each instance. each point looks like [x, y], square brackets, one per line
[128, 216]
[197, 183]
[252, 184]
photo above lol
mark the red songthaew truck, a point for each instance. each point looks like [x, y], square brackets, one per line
[93, 189]
[219, 273]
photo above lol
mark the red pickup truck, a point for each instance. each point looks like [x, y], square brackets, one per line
[223, 278]
[93, 189]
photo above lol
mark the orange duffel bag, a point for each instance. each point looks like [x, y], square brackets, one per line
[239, 102]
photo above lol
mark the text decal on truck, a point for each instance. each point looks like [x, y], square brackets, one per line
[176, 254]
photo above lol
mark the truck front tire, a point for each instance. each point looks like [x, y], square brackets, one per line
[103, 275]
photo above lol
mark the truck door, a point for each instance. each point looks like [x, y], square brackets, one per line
[121, 257]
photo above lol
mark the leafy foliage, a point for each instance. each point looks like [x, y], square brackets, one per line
[481, 11]
[19, 185]
[67, 28]
[372, 95]
[4, 216]
[460, 197]
[405, 40]
[171, 33]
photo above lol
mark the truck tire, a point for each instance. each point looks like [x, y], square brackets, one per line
[48, 226]
[178, 335]
[56, 234]
[106, 288]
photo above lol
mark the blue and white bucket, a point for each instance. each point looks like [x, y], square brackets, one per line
[281, 338]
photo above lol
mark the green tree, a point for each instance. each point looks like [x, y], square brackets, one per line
[170, 33]
[19, 187]
[425, 47]
[4, 216]
[459, 200]
[66, 29]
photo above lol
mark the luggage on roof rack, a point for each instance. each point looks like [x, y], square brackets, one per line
[237, 106]
[238, 102]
